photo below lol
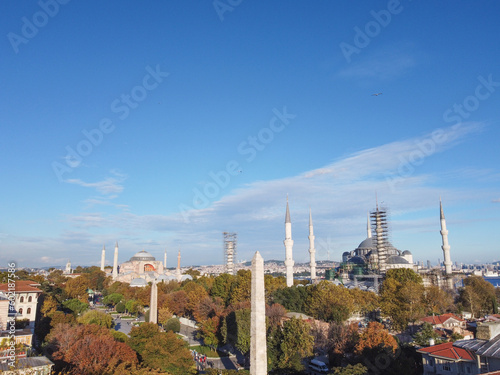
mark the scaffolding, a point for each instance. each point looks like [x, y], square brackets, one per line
[229, 252]
[380, 228]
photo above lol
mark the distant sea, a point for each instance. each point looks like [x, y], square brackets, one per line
[495, 281]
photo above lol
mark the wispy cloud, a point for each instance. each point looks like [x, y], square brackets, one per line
[110, 186]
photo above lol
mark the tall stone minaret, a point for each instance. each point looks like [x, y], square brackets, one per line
[103, 257]
[446, 245]
[288, 247]
[115, 262]
[165, 260]
[368, 226]
[312, 250]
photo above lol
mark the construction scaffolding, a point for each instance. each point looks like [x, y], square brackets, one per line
[380, 228]
[229, 252]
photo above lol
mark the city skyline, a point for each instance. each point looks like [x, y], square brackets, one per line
[162, 127]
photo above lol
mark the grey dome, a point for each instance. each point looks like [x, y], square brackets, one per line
[396, 259]
[406, 252]
[142, 255]
[367, 244]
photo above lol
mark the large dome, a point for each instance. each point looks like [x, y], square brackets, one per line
[367, 244]
[142, 256]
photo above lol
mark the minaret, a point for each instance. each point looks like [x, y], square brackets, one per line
[446, 245]
[115, 262]
[165, 260]
[178, 270]
[312, 250]
[153, 304]
[368, 226]
[68, 268]
[103, 257]
[258, 345]
[288, 247]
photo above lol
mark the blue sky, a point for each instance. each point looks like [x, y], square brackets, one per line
[162, 125]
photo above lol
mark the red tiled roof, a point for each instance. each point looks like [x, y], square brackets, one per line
[22, 286]
[448, 351]
[492, 373]
[441, 319]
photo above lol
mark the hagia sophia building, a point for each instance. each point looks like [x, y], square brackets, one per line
[142, 268]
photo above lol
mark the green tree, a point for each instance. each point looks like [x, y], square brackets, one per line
[96, 317]
[173, 324]
[426, 333]
[297, 344]
[120, 307]
[75, 305]
[161, 350]
[330, 303]
[112, 299]
[401, 297]
[222, 286]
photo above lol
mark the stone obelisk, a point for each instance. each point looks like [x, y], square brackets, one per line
[103, 257]
[115, 262]
[178, 274]
[312, 250]
[153, 304]
[258, 346]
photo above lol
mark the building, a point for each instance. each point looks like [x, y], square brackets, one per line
[478, 356]
[27, 297]
[31, 365]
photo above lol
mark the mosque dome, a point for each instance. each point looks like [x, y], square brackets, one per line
[138, 282]
[357, 260]
[407, 252]
[367, 244]
[142, 256]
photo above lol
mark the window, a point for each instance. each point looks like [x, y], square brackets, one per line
[21, 299]
[446, 367]
[20, 310]
[30, 299]
[28, 311]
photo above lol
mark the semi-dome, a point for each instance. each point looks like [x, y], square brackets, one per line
[407, 252]
[396, 259]
[142, 256]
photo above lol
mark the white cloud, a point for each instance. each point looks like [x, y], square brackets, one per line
[109, 187]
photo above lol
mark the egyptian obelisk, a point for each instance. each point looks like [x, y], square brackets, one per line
[258, 346]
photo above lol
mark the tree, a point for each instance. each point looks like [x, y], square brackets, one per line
[297, 344]
[75, 305]
[161, 350]
[436, 300]
[177, 302]
[240, 290]
[357, 369]
[112, 299]
[401, 297]
[342, 339]
[173, 324]
[77, 287]
[426, 333]
[235, 329]
[376, 336]
[120, 307]
[478, 296]
[96, 317]
[208, 331]
[195, 293]
[222, 286]
[331, 303]
[88, 349]
[49, 306]
[164, 315]
[292, 298]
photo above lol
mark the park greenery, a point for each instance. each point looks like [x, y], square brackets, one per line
[71, 332]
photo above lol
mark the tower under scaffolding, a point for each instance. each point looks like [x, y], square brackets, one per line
[380, 228]
[229, 251]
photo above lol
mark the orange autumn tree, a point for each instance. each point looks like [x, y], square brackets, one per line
[375, 336]
[88, 349]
